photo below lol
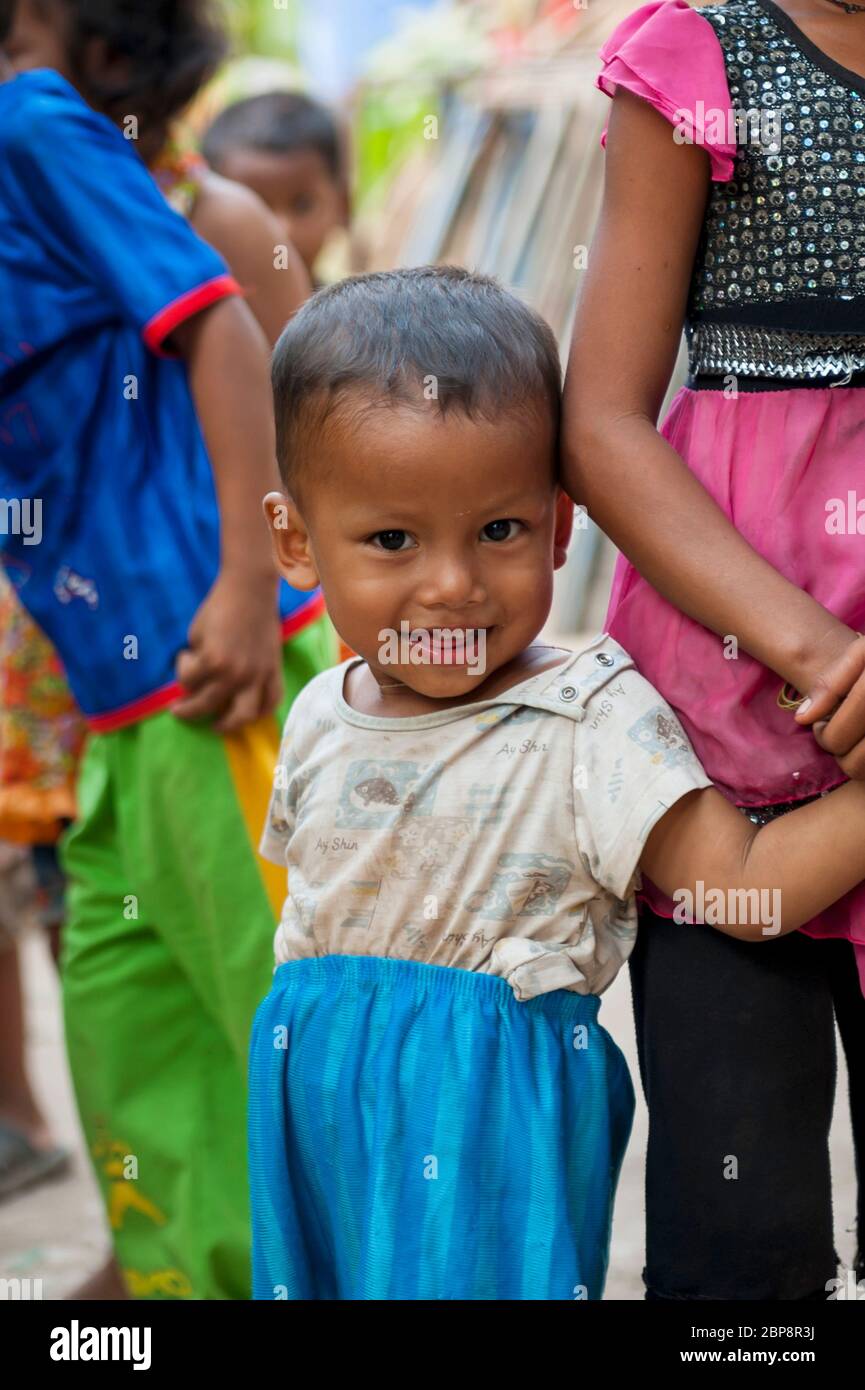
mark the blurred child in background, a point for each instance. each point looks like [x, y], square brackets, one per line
[162, 617]
[291, 151]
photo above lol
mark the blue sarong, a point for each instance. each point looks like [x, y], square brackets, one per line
[417, 1133]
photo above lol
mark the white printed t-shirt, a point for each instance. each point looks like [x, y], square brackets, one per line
[502, 836]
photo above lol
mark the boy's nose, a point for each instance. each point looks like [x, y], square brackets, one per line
[450, 584]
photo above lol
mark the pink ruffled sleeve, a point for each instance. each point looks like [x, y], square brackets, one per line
[669, 55]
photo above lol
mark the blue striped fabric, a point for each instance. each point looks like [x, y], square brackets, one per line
[416, 1133]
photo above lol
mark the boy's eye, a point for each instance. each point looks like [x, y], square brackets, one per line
[391, 540]
[500, 530]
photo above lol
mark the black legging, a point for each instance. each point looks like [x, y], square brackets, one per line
[737, 1059]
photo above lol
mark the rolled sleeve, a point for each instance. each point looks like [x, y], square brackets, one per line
[81, 189]
[633, 762]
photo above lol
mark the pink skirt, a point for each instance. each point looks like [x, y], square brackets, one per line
[784, 467]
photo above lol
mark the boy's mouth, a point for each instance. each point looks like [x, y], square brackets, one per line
[446, 644]
[451, 646]
[454, 646]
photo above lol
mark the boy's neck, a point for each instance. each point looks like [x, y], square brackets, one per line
[365, 695]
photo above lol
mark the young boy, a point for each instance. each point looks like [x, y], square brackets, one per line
[289, 150]
[135, 430]
[435, 1110]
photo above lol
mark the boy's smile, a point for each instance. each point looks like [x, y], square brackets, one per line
[421, 523]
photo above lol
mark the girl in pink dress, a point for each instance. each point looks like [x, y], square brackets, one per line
[735, 205]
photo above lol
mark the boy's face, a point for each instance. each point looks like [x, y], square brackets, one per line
[436, 522]
[299, 188]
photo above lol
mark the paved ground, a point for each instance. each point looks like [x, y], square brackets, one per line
[57, 1231]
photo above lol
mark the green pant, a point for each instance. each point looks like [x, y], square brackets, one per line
[167, 953]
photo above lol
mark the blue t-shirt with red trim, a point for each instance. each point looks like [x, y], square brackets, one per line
[109, 523]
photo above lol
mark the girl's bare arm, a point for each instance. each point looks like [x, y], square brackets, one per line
[635, 486]
[231, 668]
[793, 868]
[244, 231]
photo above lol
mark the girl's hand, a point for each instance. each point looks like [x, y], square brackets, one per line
[231, 669]
[834, 707]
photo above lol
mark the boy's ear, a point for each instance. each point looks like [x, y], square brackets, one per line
[563, 528]
[290, 541]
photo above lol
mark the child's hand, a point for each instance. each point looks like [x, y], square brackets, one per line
[232, 666]
[835, 709]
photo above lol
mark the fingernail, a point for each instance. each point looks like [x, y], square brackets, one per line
[805, 706]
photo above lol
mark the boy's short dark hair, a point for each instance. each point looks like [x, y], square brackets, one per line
[436, 333]
[172, 47]
[277, 123]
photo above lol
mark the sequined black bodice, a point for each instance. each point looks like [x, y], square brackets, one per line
[780, 274]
